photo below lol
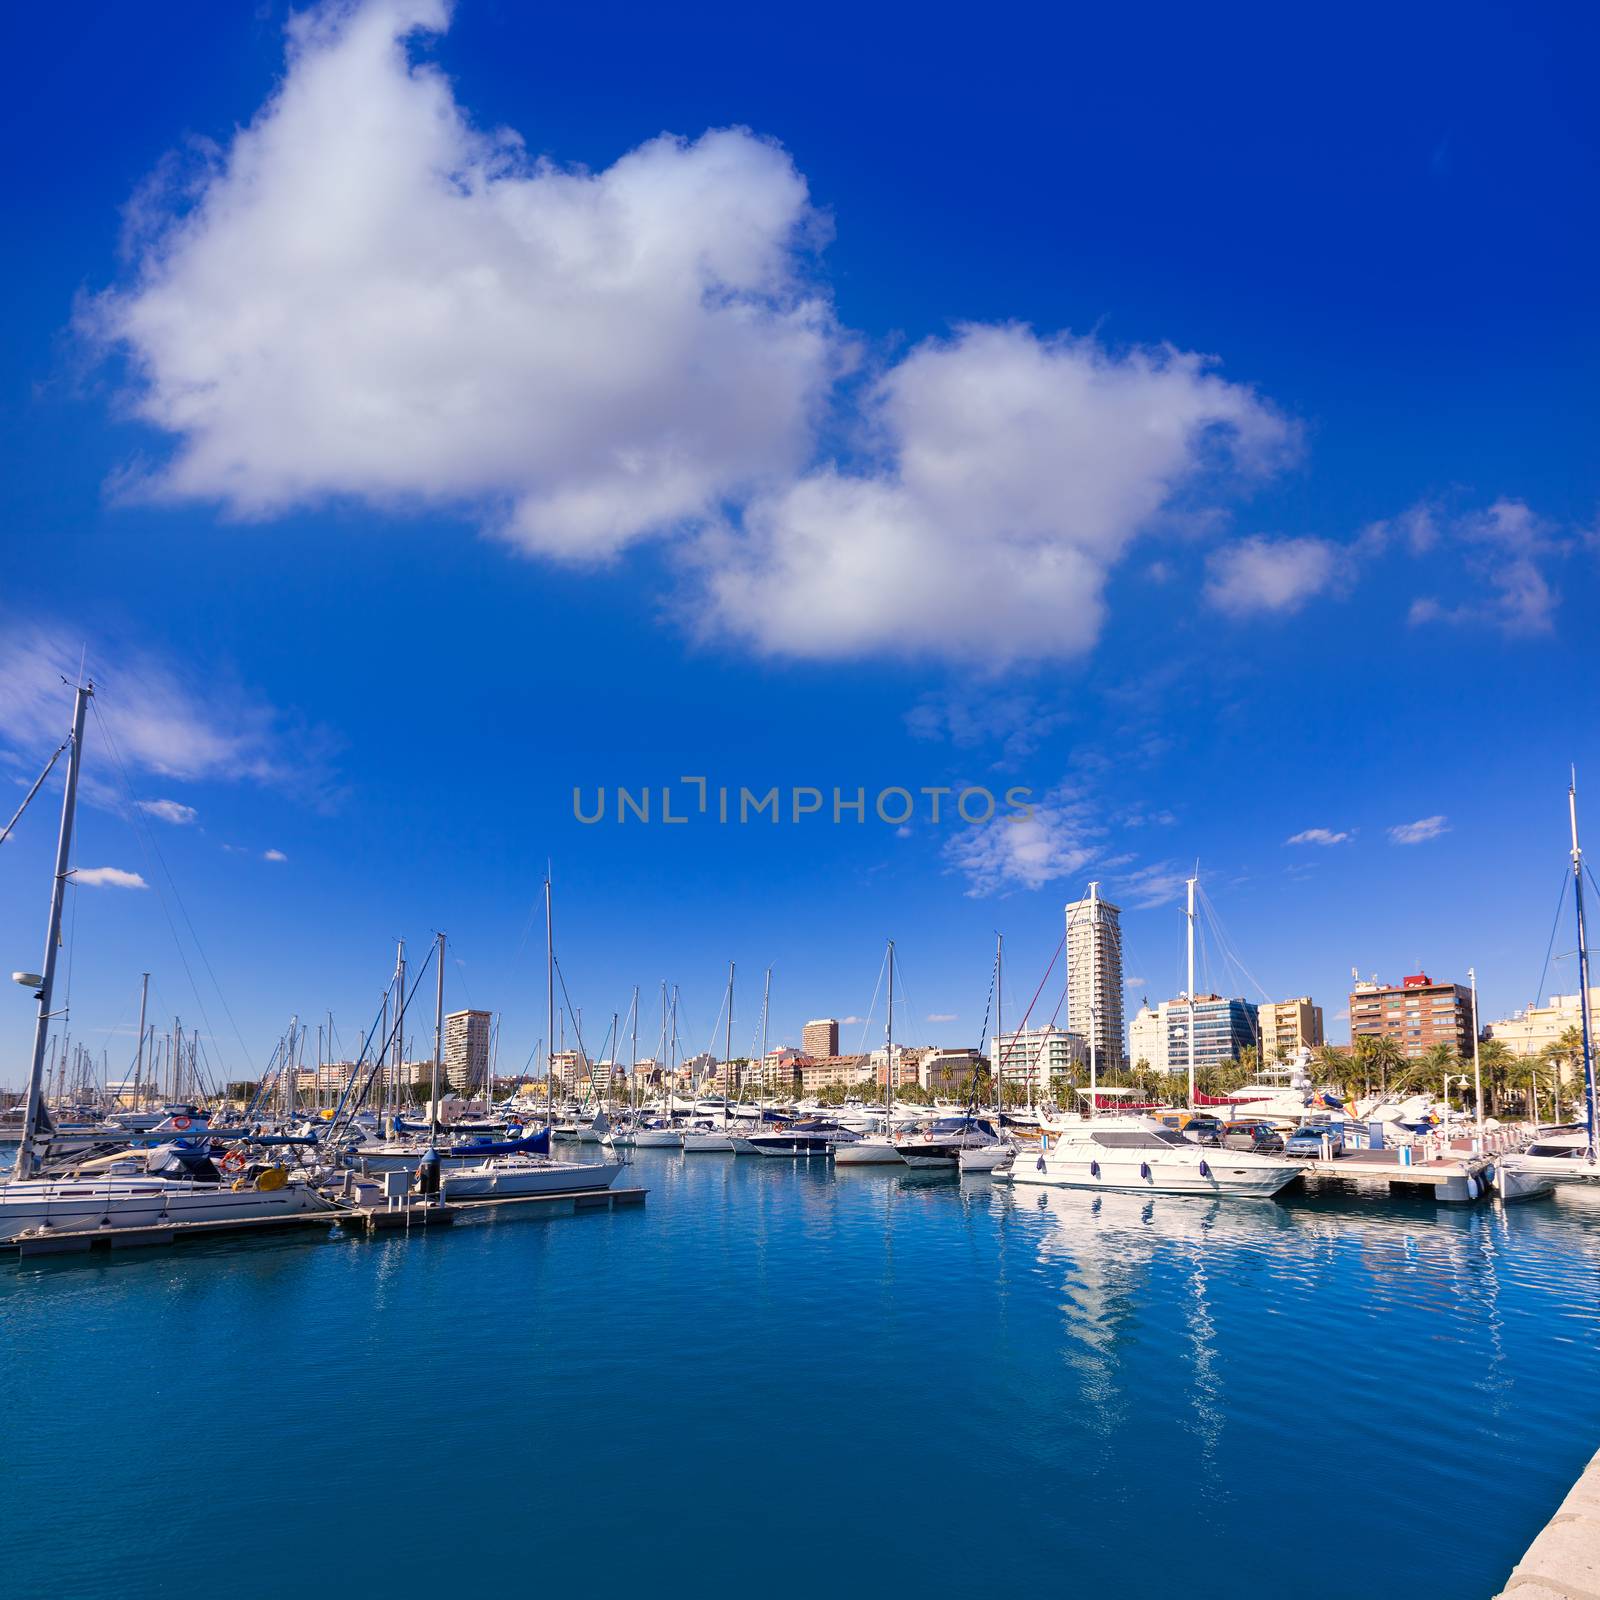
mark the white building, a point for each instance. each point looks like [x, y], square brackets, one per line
[1032, 1057]
[1535, 1027]
[1094, 975]
[466, 1049]
[1147, 1037]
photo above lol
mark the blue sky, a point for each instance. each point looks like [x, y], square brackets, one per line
[1189, 419]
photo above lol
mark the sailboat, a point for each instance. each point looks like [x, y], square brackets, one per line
[706, 1137]
[1568, 1157]
[999, 1150]
[171, 1183]
[878, 1148]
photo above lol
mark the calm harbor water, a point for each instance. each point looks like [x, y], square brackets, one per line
[777, 1378]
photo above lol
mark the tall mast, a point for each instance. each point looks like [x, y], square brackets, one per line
[550, 1006]
[1094, 980]
[633, 1055]
[1190, 1030]
[138, 1071]
[1583, 972]
[888, 1051]
[27, 1160]
[400, 1023]
[727, 1051]
[766, 997]
[438, 1046]
[999, 1033]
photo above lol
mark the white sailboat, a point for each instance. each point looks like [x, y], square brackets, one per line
[987, 1157]
[1571, 1156]
[877, 1148]
[705, 1137]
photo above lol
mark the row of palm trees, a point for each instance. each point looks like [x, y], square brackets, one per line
[1534, 1086]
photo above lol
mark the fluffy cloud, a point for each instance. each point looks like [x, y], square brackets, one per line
[1011, 472]
[273, 855]
[1322, 836]
[1255, 575]
[169, 811]
[1058, 840]
[366, 296]
[108, 878]
[1420, 831]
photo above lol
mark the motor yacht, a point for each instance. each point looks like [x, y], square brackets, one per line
[940, 1143]
[1138, 1153]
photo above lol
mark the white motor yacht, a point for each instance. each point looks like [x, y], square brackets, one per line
[1556, 1156]
[1137, 1153]
[941, 1143]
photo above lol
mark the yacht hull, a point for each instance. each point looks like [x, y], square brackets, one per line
[867, 1152]
[1221, 1177]
[517, 1179]
[67, 1205]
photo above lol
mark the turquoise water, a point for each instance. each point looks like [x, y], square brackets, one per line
[777, 1379]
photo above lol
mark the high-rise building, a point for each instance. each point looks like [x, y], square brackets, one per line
[1222, 1028]
[1032, 1057]
[1417, 1013]
[1286, 1026]
[466, 1049]
[1094, 975]
[821, 1038]
[1147, 1037]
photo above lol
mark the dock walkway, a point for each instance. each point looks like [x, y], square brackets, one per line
[1563, 1562]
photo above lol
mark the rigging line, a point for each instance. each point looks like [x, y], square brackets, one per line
[38, 783]
[1555, 925]
[872, 1010]
[1229, 953]
[988, 1005]
[147, 842]
[1042, 982]
[379, 1060]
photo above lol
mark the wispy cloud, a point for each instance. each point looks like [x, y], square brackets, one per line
[942, 1016]
[1258, 575]
[1158, 884]
[273, 855]
[1010, 852]
[1420, 831]
[1507, 550]
[169, 811]
[108, 878]
[1320, 836]
[1132, 983]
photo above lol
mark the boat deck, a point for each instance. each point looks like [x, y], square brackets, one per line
[369, 1220]
[1456, 1175]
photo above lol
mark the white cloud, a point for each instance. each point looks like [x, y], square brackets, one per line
[1158, 884]
[1009, 466]
[273, 855]
[942, 1016]
[108, 878]
[1279, 575]
[169, 811]
[1322, 836]
[1506, 548]
[845, 1022]
[1012, 851]
[161, 724]
[1132, 983]
[369, 297]
[366, 297]
[1420, 831]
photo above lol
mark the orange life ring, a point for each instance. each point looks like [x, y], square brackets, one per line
[234, 1161]
[180, 1122]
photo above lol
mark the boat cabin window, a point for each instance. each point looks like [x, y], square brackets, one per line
[1571, 1151]
[1138, 1139]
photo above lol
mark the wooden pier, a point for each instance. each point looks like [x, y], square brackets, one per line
[417, 1217]
[1455, 1173]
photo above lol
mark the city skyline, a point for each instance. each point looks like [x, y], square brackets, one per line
[1254, 561]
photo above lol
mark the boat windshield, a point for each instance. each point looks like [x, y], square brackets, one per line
[1138, 1138]
[1570, 1151]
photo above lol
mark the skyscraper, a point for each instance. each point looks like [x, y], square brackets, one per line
[820, 1039]
[1094, 975]
[466, 1049]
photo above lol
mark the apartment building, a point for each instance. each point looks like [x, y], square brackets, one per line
[1417, 1013]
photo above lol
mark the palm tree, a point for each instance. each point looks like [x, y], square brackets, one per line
[1336, 1065]
[1494, 1066]
[1380, 1055]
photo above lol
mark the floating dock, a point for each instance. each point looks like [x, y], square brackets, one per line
[1456, 1177]
[418, 1217]
[1563, 1562]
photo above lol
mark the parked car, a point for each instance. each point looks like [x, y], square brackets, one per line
[1313, 1137]
[1203, 1130]
[1261, 1137]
